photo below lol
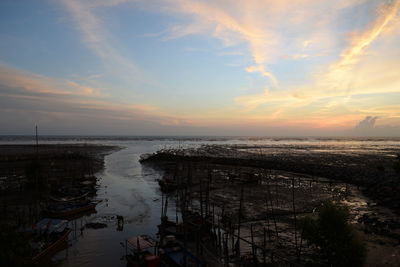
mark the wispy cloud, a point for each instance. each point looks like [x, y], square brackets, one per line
[360, 41]
[100, 41]
[269, 29]
[216, 19]
[261, 69]
[15, 78]
[39, 84]
[355, 73]
[27, 92]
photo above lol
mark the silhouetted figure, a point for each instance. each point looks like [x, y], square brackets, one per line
[120, 226]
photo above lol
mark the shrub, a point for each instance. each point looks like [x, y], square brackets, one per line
[335, 240]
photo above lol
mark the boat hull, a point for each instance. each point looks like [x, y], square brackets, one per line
[51, 248]
[72, 212]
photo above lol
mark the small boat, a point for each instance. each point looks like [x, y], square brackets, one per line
[141, 251]
[68, 209]
[192, 226]
[173, 254]
[172, 228]
[67, 199]
[47, 236]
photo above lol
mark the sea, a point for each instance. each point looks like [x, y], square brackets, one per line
[127, 188]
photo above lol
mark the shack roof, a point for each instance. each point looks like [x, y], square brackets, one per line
[142, 242]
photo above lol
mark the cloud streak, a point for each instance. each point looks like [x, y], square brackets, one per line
[377, 75]
[28, 93]
[100, 41]
[362, 40]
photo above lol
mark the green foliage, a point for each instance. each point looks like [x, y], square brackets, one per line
[14, 248]
[336, 242]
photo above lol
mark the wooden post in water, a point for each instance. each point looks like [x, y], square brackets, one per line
[219, 237]
[264, 245]
[201, 199]
[232, 231]
[272, 211]
[37, 141]
[176, 207]
[162, 205]
[253, 248]
[294, 216]
[239, 222]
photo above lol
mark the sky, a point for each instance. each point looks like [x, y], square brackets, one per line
[187, 67]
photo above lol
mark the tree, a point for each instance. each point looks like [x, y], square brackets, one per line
[335, 240]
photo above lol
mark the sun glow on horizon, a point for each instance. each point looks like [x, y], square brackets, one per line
[201, 67]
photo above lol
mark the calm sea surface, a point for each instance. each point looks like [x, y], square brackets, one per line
[129, 189]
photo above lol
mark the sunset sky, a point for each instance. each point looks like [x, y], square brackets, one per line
[185, 67]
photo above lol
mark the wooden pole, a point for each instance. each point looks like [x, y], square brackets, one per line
[239, 222]
[294, 216]
[272, 212]
[264, 245]
[37, 138]
[253, 248]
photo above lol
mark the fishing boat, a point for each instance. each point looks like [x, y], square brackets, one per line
[68, 209]
[141, 251]
[47, 236]
[68, 198]
[173, 254]
[179, 230]
[192, 226]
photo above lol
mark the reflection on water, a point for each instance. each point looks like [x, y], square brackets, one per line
[128, 190]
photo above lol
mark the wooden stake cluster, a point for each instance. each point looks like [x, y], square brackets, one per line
[224, 241]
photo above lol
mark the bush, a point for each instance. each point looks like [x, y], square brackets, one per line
[336, 242]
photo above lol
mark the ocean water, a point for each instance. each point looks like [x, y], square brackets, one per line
[128, 189]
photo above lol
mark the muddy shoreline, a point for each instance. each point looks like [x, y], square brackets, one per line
[373, 172]
[279, 186]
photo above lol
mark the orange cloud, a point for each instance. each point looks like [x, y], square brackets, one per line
[85, 90]
[345, 78]
[361, 41]
[16, 78]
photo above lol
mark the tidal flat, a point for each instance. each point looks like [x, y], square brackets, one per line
[278, 182]
[259, 195]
